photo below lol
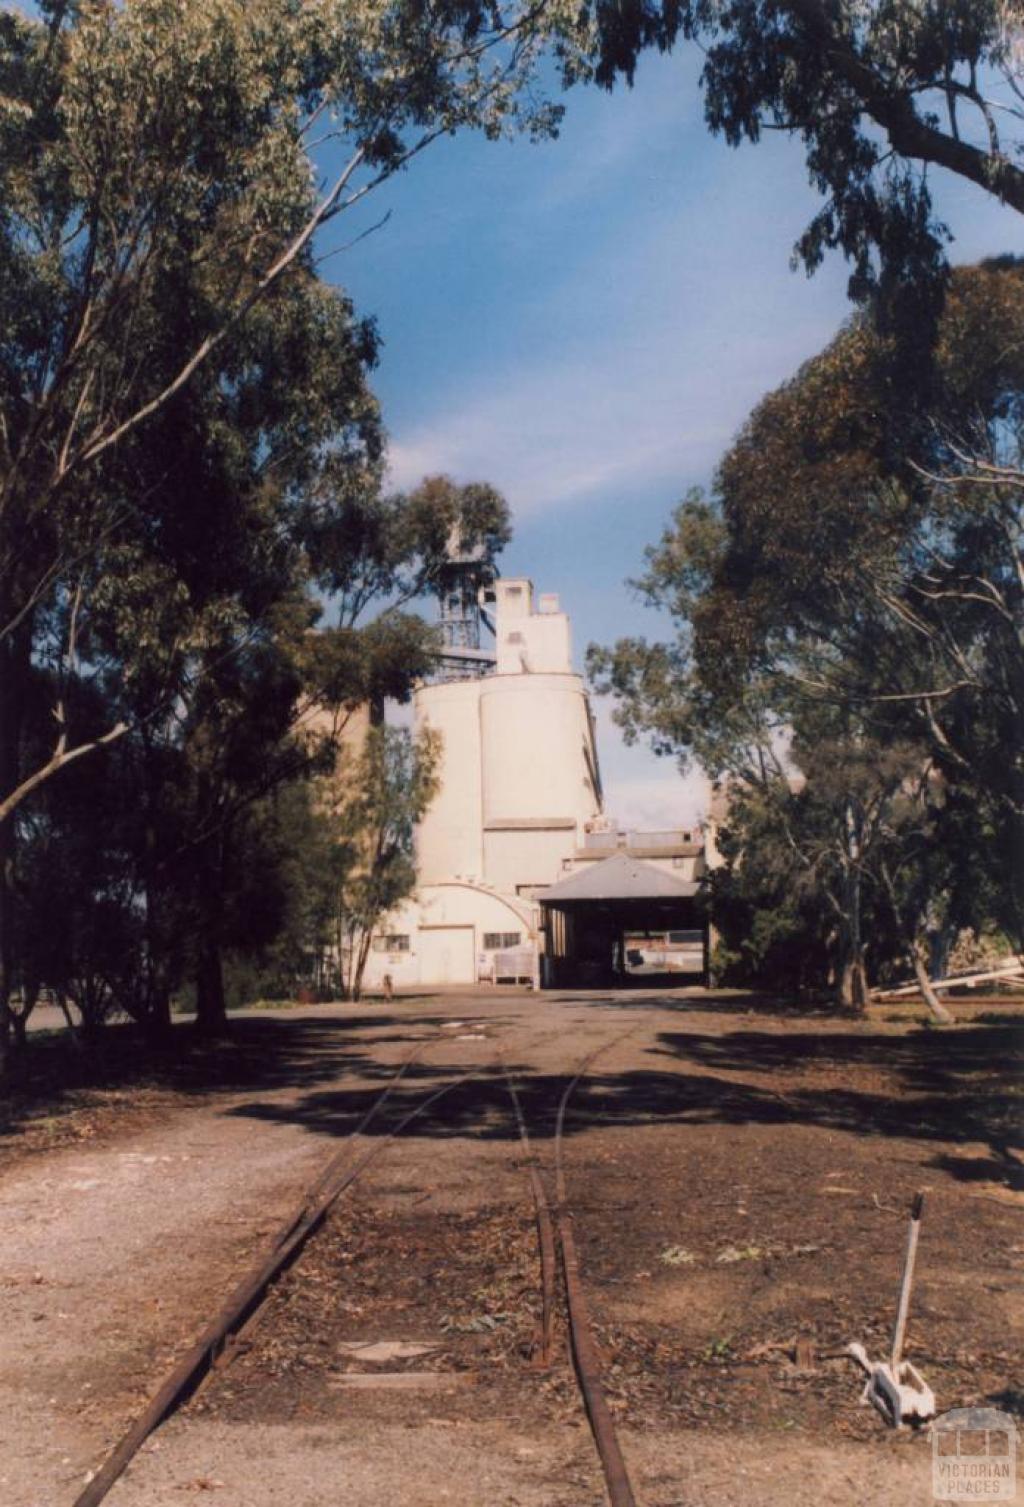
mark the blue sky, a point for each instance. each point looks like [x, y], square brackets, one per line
[585, 323]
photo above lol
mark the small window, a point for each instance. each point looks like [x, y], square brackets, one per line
[395, 942]
[514, 638]
[495, 941]
[513, 591]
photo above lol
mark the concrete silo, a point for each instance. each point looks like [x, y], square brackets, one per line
[519, 773]
[519, 781]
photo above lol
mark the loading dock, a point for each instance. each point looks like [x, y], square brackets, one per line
[587, 916]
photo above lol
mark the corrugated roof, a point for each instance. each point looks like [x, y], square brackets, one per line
[619, 878]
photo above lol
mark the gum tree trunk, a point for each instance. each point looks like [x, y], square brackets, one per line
[915, 949]
[924, 983]
[211, 1007]
[14, 650]
[853, 981]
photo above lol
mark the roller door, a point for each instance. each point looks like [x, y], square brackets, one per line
[447, 955]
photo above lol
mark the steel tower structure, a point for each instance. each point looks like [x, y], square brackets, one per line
[464, 585]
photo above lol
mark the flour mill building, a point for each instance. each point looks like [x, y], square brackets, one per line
[521, 873]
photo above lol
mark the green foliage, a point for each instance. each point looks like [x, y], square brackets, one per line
[849, 616]
[876, 90]
[160, 186]
[189, 448]
[220, 873]
[371, 823]
[800, 905]
[769, 936]
[366, 545]
[75, 866]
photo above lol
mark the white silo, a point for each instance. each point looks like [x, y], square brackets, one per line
[449, 840]
[519, 774]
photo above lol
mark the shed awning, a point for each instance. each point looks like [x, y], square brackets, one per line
[618, 878]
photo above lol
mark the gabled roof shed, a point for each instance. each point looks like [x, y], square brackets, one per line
[618, 878]
[587, 915]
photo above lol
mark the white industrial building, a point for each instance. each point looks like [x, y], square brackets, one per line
[519, 809]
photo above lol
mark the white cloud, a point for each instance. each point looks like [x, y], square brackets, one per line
[559, 434]
[651, 804]
[639, 411]
[634, 367]
[642, 791]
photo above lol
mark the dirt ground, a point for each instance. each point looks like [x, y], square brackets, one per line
[739, 1177]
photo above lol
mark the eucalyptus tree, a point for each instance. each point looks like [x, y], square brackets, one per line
[879, 92]
[164, 170]
[839, 869]
[371, 822]
[860, 559]
[202, 552]
[874, 554]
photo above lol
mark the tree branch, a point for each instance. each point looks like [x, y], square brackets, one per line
[58, 761]
[892, 109]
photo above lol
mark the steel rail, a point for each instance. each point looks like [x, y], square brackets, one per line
[563, 1104]
[227, 1352]
[584, 1349]
[545, 1229]
[338, 1175]
[189, 1371]
[339, 1160]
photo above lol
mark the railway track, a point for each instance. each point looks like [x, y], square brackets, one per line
[555, 1235]
[581, 1336]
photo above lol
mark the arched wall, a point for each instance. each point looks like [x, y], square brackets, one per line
[447, 925]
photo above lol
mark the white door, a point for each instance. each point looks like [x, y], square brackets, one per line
[447, 955]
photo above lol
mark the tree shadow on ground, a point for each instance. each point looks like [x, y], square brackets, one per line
[962, 1087]
[1009, 1400]
[693, 999]
[924, 1060]
[910, 1089]
[258, 1053]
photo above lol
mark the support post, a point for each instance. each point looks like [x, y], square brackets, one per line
[899, 1332]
